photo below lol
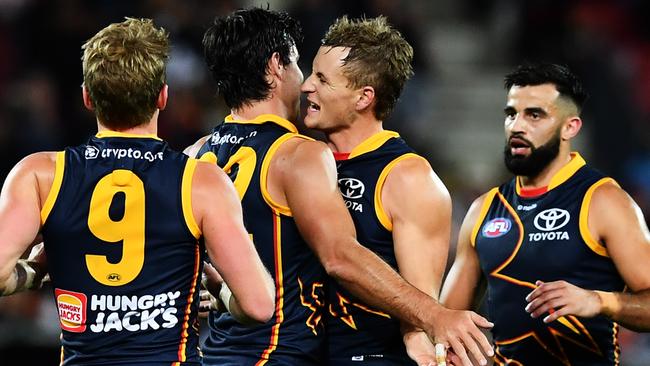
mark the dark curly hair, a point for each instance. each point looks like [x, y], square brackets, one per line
[566, 83]
[237, 49]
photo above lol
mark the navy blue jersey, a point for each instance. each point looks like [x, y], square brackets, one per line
[521, 239]
[294, 336]
[123, 254]
[358, 333]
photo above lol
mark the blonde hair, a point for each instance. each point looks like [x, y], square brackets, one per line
[124, 71]
[379, 57]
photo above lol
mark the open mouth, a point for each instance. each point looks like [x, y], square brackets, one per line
[519, 146]
[312, 107]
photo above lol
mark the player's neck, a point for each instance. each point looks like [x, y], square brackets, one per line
[543, 179]
[346, 139]
[148, 129]
[267, 106]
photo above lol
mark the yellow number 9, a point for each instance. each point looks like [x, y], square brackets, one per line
[246, 158]
[129, 230]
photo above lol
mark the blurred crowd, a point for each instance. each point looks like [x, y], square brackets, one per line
[607, 43]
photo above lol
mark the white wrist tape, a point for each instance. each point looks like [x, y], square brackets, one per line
[225, 294]
[21, 279]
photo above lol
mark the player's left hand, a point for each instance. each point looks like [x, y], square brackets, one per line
[209, 295]
[211, 280]
[208, 303]
[419, 347]
[423, 352]
[560, 298]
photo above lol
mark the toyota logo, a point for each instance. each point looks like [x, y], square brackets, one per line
[351, 188]
[551, 219]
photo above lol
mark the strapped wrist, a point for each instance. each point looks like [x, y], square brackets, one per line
[23, 277]
[224, 295]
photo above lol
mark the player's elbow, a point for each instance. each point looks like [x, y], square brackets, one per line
[260, 310]
[337, 264]
[334, 267]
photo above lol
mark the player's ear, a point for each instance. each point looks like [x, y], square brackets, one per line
[274, 67]
[571, 128]
[88, 103]
[161, 103]
[366, 98]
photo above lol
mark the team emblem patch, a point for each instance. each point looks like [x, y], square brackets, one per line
[496, 227]
[72, 310]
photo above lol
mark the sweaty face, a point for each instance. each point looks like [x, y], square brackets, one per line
[330, 102]
[533, 125]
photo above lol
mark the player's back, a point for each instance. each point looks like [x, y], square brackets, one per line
[123, 253]
[294, 336]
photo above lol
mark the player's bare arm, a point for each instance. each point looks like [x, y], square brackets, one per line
[218, 213]
[616, 221]
[25, 189]
[421, 226]
[462, 283]
[305, 171]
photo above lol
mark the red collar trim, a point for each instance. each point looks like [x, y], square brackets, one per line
[532, 192]
[338, 156]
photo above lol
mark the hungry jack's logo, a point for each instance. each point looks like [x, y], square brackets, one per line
[72, 310]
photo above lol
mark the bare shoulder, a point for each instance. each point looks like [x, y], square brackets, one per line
[415, 172]
[610, 196]
[40, 160]
[611, 209]
[298, 153]
[37, 170]
[41, 164]
[476, 207]
[208, 176]
[193, 149]
[299, 148]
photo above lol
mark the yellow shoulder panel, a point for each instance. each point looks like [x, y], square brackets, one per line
[284, 210]
[591, 242]
[186, 197]
[56, 187]
[489, 197]
[209, 157]
[381, 214]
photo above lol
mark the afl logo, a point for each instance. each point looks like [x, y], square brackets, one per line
[113, 277]
[496, 227]
[551, 219]
[351, 188]
[91, 152]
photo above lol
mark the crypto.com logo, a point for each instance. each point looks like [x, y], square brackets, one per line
[351, 188]
[552, 219]
[91, 152]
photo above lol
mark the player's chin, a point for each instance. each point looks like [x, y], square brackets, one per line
[311, 120]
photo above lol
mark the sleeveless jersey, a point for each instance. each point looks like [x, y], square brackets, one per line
[294, 336]
[357, 333]
[123, 254]
[520, 240]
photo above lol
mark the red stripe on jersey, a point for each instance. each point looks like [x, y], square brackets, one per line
[279, 294]
[182, 356]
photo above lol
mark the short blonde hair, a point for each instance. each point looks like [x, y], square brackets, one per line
[124, 71]
[379, 57]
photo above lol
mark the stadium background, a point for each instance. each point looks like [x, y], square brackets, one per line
[451, 110]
